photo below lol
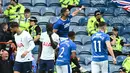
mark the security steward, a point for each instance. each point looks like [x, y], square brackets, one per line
[35, 32]
[92, 25]
[15, 11]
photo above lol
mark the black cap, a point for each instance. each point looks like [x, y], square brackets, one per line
[98, 11]
[33, 19]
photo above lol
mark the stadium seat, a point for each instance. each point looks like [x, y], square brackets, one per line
[120, 12]
[58, 11]
[26, 2]
[71, 28]
[53, 3]
[109, 28]
[75, 19]
[47, 11]
[127, 29]
[40, 2]
[35, 10]
[114, 68]
[81, 13]
[3, 19]
[83, 21]
[120, 59]
[53, 20]
[107, 18]
[88, 60]
[86, 39]
[6, 2]
[111, 4]
[85, 2]
[110, 59]
[90, 11]
[87, 48]
[79, 28]
[98, 3]
[78, 49]
[77, 39]
[119, 22]
[109, 11]
[43, 27]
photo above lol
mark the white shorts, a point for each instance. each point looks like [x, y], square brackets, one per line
[99, 66]
[64, 69]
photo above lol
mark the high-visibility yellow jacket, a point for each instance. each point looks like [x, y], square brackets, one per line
[15, 13]
[65, 3]
[24, 25]
[117, 46]
[126, 64]
[92, 25]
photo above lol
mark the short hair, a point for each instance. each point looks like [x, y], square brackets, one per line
[71, 34]
[115, 28]
[49, 27]
[63, 10]
[14, 24]
[98, 11]
[101, 24]
[27, 10]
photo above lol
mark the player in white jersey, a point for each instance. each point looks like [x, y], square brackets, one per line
[25, 44]
[48, 39]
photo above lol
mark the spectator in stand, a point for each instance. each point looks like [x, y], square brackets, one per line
[15, 11]
[116, 42]
[126, 64]
[6, 66]
[25, 23]
[122, 70]
[93, 22]
[35, 32]
[49, 41]
[5, 35]
[69, 3]
[25, 44]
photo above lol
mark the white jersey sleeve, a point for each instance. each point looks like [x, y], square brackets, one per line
[30, 41]
[55, 37]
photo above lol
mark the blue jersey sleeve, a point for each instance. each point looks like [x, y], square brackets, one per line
[70, 16]
[107, 38]
[56, 25]
[73, 47]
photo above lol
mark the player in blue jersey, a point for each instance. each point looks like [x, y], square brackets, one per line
[100, 47]
[61, 27]
[67, 49]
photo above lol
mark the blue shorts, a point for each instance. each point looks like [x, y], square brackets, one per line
[46, 65]
[23, 67]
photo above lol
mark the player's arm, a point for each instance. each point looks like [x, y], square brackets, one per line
[73, 50]
[56, 27]
[38, 33]
[31, 43]
[77, 11]
[110, 50]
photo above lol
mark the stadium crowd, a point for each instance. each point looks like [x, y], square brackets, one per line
[26, 48]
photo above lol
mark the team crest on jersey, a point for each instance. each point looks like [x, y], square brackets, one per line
[67, 25]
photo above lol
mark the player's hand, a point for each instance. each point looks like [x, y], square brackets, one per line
[24, 54]
[82, 7]
[114, 60]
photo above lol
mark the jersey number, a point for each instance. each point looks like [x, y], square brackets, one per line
[99, 46]
[61, 54]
